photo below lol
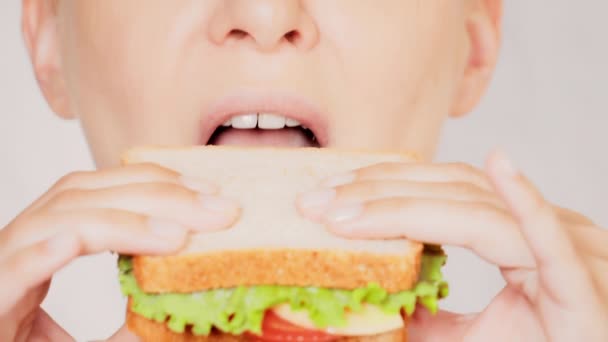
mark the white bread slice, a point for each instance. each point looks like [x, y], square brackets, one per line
[272, 243]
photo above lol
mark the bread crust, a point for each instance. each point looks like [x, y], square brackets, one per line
[320, 268]
[151, 331]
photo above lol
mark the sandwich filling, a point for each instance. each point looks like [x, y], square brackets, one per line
[242, 309]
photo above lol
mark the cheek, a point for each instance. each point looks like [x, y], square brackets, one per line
[408, 61]
[121, 75]
[399, 69]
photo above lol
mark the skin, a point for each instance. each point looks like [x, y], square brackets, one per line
[142, 72]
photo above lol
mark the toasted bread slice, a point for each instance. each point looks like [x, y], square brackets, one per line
[151, 331]
[272, 243]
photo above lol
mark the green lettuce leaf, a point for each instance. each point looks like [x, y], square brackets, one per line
[238, 310]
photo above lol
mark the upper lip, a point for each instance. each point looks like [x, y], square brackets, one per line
[290, 106]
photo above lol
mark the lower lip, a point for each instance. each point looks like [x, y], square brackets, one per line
[287, 137]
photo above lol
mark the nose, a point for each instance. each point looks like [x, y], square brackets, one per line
[268, 24]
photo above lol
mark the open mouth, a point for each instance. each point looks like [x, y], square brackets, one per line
[265, 119]
[263, 129]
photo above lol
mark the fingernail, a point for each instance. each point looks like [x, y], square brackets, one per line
[61, 243]
[344, 214]
[338, 180]
[218, 204]
[199, 185]
[316, 198]
[505, 166]
[166, 229]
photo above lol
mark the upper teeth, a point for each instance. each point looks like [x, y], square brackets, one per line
[261, 120]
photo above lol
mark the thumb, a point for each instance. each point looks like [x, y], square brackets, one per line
[31, 267]
[443, 326]
[123, 335]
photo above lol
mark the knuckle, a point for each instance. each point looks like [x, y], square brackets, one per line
[355, 188]
[366, 189]
[396, 204]
[463, 168]
[471, 191]
[115, 217]
[22, 259]
[493, 215]
[469, 173]
[390, 166]
[97, 226]
[65, 197]
[9, 233]
[20, 229]
[467, 188]
[163, 190]
[13, 264]
[153, 170]
[71, 179]
[379, 168]
[572, 217]
[481, 207]
[490, 212]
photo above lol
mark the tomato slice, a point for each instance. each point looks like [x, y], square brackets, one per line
[276, 329]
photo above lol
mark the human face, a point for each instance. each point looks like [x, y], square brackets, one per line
[360, 74]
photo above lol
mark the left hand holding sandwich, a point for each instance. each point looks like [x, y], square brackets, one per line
[554, 261]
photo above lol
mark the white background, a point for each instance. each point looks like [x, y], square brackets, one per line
[547, 108]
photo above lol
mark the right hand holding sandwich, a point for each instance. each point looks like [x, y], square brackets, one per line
[554, 261]
[137, 209]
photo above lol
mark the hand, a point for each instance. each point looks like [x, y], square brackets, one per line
[138, 209]
[554, 261]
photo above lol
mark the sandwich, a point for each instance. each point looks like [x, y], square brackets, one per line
[275, 275]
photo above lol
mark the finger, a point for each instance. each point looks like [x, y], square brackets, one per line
[24, 308]
[443, 326]
[46, 329]
[200, 212]
[129, 174]
[415, 172]
[488, 231]
[599, 269]
[315, 203]
[549, 241]
[572, 217]
[123, 335]
[594, 240]
[32, 266]
[503, 320]
[101, 230]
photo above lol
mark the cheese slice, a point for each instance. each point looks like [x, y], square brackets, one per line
[369, 321]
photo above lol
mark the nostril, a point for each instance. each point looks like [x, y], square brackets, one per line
[293, 36]
[237, 34]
